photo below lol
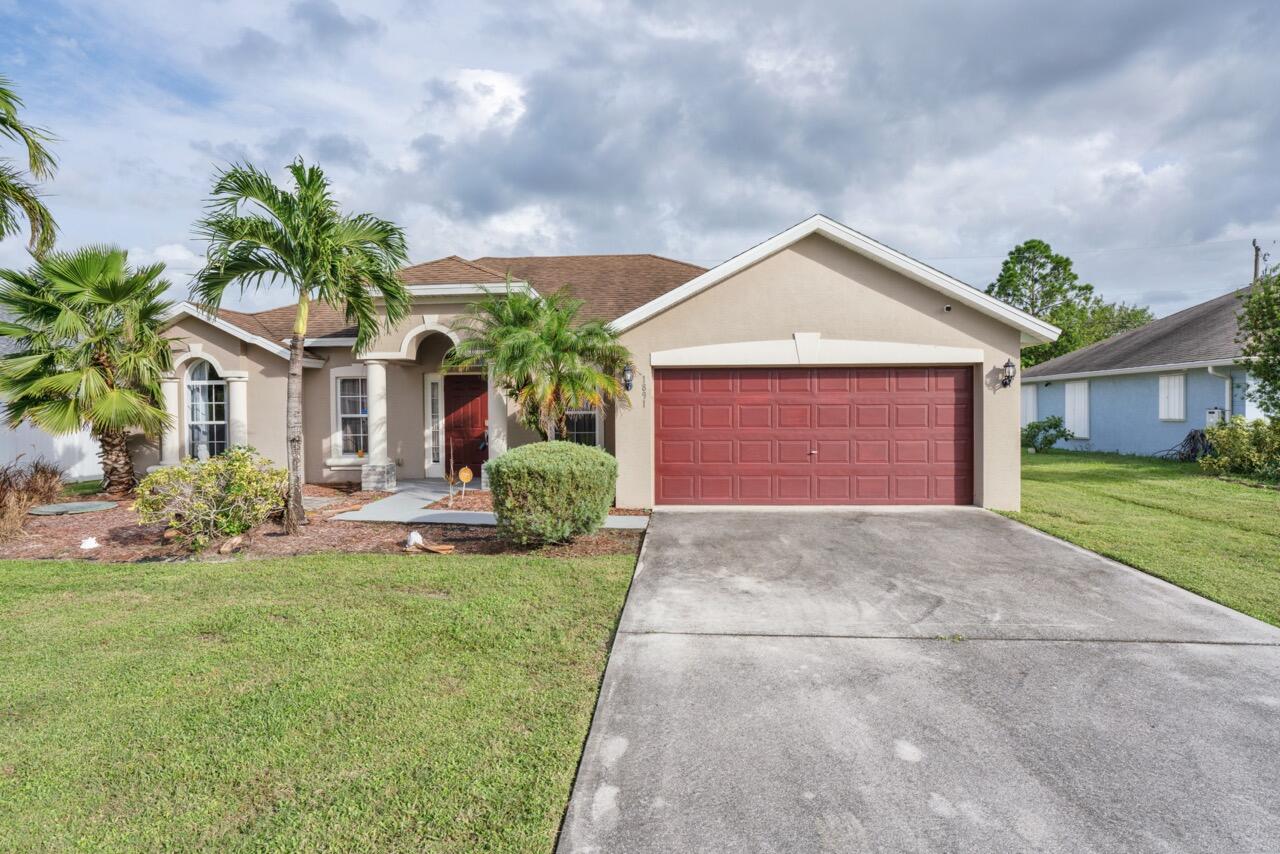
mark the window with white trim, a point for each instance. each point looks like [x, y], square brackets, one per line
[206, 411]
[584, 426]
[1077, 408]
[353, 415]
[1173, 397]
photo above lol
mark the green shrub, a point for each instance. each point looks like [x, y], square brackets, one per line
[1246, 448]
[1045, 433]
[551, 492]
[223, 496]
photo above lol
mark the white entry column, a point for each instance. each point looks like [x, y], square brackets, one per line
[237, 409]
[379, 473]
[497, 427]
[170, 447]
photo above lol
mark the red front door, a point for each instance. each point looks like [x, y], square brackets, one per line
[814, 436]
[466, 409]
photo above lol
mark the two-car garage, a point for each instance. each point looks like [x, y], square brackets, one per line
[823, 435]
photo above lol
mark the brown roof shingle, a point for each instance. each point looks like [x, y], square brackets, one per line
[609, 285]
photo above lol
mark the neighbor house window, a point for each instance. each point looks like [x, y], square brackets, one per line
[1077, 408]
[583, 426]
[353, 415]
[1028, 403]
[1173, 397]
[206, 411]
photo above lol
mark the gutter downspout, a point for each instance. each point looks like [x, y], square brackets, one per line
[1213, 372]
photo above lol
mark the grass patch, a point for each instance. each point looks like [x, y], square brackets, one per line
[82, 487]
[1217, 538]
[339, 703]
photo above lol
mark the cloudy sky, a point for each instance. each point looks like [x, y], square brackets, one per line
[1141, 138]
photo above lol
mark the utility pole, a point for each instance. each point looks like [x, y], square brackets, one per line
[1257, 259]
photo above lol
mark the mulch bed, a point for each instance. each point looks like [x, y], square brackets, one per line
[482, 499]
[122, 540]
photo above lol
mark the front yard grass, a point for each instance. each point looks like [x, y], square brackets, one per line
[327, 703]
[1214, 537]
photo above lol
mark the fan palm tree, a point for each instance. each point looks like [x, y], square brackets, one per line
[18, 194]
[89, 350]
[540, 356]
[260, 234]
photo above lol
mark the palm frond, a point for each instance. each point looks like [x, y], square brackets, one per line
[19, 196]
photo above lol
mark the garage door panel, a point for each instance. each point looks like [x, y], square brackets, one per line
[814, 436]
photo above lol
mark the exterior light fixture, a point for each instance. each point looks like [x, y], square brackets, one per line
[628, 377]
[1010, 371]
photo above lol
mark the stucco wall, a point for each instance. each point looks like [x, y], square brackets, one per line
[1124, 411]
[267, 372]
[818, 286]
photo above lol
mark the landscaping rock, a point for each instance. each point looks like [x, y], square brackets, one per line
[230, 545]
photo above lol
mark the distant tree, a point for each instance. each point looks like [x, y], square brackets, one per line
[19, 198]
[1042, 283]
[1260, 335]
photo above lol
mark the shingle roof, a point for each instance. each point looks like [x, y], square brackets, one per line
[1202, 333]
[450, 271]
[609, 285]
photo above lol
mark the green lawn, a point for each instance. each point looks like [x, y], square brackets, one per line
[331, 703]
[1218, 539]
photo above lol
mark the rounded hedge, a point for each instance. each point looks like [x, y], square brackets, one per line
[551, 492]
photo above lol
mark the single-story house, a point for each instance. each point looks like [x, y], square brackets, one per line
[1142, 391]
[818, 367]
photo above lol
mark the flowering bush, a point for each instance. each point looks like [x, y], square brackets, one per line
[223, 496]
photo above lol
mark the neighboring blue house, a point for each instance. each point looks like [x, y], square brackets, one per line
[1142, 391]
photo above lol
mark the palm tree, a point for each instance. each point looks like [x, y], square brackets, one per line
[540, 356]
[89, 350]
[260, 234]
[17, 193]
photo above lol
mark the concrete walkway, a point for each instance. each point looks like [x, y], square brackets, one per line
[941, 680]
[408, 505]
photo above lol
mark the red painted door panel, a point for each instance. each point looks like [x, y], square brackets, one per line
[466, 409]
[814, 436]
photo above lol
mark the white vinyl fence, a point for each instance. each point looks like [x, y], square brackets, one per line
[76, 453]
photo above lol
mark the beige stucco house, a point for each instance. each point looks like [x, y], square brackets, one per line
[818, 367]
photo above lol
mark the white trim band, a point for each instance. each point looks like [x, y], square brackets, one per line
[809, 348]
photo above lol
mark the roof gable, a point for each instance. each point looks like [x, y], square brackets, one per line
[1202, 333]
[1033, 329]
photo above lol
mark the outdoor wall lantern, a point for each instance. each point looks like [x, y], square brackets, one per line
[628, 377]
[1010, 371]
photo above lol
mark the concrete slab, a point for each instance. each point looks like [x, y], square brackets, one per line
[936, 571]
[795, 682]
[408, 505]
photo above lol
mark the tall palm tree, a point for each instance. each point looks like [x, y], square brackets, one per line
[541, 356]
[18, 194]
[260, 234]
[89, 350]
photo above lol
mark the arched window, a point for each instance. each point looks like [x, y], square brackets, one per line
[206, 411]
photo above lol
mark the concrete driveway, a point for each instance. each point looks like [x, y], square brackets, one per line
[933, 680]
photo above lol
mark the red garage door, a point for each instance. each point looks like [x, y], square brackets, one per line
[814, 436]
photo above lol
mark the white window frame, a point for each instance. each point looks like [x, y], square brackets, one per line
[1172, 394]
[433, 428]
[336, 458]
[1029, 403]
[1076, 417]
[221, 382]
[599, 424]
